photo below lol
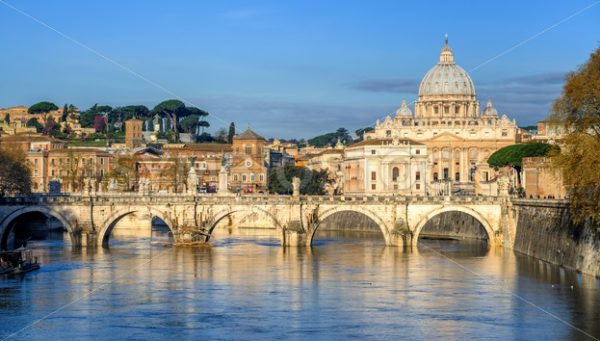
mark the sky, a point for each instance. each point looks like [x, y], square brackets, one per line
[289, 69]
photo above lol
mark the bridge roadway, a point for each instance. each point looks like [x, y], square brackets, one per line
[89, 219]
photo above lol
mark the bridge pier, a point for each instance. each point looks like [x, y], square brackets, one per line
[295, 239]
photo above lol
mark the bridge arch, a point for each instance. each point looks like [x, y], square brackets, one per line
[110, 222]
[219, 216]
[330, 212]
[5, 224]
[489, 231]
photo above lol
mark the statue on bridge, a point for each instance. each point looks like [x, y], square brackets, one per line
[192, 180]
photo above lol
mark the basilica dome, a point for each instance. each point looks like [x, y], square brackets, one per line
[446, 78]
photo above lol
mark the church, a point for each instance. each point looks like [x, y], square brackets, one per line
[448, 125]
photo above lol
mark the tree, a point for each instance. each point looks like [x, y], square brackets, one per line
[221, 135]
[124, 172]
[512, 156]
[311, 182]
[176, 109]
[189, 124]
[7, 118]
[74, 169]
[177, 173]
[328, 139]
[86, 118]
[33, 122]
[361, 132]
[578, 110]
[343, 135]
[65, 113]
[15, 172]
[124, 113]
[42, 108]
[231, 133]
[50, 126]
[99, 123]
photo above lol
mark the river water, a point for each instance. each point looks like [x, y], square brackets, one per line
[346, 286]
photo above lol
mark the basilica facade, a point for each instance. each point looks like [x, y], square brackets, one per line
[459, 136]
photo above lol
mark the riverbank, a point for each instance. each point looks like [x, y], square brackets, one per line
[545, 230]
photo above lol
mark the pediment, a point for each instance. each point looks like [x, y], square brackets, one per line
[447, 137]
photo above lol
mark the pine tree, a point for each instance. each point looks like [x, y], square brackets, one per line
[231, 133]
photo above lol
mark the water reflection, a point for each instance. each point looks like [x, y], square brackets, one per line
[346, 285]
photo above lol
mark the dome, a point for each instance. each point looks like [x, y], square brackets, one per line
[446, 78]
[490, 110]
[404, 110]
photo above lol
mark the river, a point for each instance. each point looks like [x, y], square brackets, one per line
[346, 286]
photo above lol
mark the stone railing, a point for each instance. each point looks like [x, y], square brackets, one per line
[180, 198]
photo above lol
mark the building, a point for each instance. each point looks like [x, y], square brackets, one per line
[331, 161]
[540, 180]
[248, 171]
[448, 121]
[133, 133]
[385, 166]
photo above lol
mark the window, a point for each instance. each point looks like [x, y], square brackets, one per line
[486, 176]
[456, 109]
[435, 176]
[252, 177]
[262, 177]
[373, 152]
[248, 150]
[457, 176]
[418, 186]
[504, 133]
[235, 177]
[373, 187]
[445, 173]
[446, 109]
[418, 151]
[417, 175]
[244, 177]
[388, 133]
[373, 176]
[395, 174]
[436, 110]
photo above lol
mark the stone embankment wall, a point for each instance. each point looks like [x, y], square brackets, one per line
[545, 230]
[454, 225]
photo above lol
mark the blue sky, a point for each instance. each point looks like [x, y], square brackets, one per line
[289, 68]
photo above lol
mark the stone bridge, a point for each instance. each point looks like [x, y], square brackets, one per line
[89, 219]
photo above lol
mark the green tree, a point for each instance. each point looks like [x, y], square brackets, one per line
[578, 110]
[65, 113]
[189, 124]
[42, 107]
[15, 172]
[176, 109]
[86, 118]
[361, 132]
[231, 133]
[7, 118]
[343, 135]
[312, 182]
[328, 139]
[33, 122]
[130, 111]
[513, 155]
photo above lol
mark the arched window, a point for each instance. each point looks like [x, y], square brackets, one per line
[395, 173]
